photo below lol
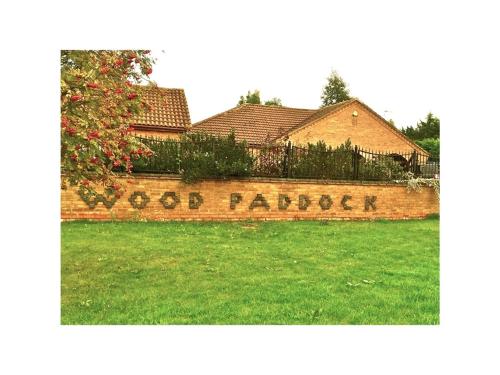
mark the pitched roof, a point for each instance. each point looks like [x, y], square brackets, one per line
[254, 123]
[258, 124]
[169, 108]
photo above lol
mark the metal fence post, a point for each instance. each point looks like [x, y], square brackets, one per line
[286, 160]
[179, 157]
[414, 161]
[355, 163]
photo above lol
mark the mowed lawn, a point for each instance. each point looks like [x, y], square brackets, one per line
[301, 272]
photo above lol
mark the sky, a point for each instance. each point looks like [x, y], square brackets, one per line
[389, 62]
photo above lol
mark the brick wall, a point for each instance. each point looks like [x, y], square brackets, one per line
[258, 199]
[367, 131]
[158, 134]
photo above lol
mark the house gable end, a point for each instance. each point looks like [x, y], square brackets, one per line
[367, 129]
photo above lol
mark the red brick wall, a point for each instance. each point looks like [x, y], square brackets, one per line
[392, 201]
[158, 134]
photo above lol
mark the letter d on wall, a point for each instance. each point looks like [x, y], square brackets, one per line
[304, 202]
[195, 200]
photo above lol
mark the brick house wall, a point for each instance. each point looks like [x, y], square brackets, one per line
[366, 130]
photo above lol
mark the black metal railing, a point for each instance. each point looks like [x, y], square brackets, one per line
[345, 162]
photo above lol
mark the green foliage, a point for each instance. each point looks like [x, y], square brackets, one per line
[415, 183]
[197, 156]
[251, 98]
[207, 156]
[429, 128]
[254, 98]
[381, 167]
[166, 157]
[99, 96]
[269, 161]
[325, 162]
[322, 161]
[274, 101]
[335, 91]
[431, 145]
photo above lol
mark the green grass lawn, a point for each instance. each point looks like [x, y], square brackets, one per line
[340, 272]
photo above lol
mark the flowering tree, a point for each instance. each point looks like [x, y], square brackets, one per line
[98, 97]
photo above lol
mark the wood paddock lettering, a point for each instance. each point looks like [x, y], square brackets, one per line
[153, 197]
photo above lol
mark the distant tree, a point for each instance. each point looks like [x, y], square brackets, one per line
[254, 98]
[274, 101]
[431, 145]
[251, 98]
[335, 91]
[391, 122]
[429, 128]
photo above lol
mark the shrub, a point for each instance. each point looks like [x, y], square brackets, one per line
[431, 145]
[380, 168]
[165, 158]
[207, 156]
[414, 183]
[269, 161]
[197, 156]
[322, 161]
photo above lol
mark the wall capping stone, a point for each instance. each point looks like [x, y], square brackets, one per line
[266, 179]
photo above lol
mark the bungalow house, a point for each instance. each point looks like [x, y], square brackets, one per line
[169, 114]
[351, 119]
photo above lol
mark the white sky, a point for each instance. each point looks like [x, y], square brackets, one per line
[389, 61]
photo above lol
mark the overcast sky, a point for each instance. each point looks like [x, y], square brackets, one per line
[386, 54]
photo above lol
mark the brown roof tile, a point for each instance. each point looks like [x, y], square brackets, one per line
[254, 123]
[169, 108]
[258, 124]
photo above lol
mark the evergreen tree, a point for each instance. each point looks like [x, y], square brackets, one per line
[254, 98]
[274, 101]
[251, 98]
[431, 145]
[335, 91]
[429, 128]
